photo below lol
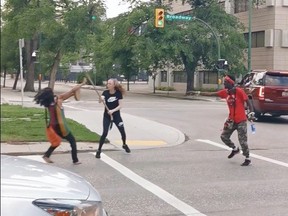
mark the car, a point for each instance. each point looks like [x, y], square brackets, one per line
[29, 187]
[268, 91]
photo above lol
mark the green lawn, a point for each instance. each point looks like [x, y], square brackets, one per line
[28, 125]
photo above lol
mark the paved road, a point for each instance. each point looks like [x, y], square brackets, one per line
[193, 178]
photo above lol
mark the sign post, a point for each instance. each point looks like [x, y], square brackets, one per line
[21, 45]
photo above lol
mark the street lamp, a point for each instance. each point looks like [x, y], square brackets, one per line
[249, 35]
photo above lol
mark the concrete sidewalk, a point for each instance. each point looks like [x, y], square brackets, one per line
[141, 133]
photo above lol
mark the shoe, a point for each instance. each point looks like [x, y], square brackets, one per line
[247, 162]
[234, 152]
[77, 163]
[98, 154]
[126, 148]
[47, 160]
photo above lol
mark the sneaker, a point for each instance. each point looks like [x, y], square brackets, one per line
[77, 163]
[246, 162]
[47, 159]
[234, 152]
[98, 154]
[126, 148]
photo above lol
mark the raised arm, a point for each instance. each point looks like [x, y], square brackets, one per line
[70, 93]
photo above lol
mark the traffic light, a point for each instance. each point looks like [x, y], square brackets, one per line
[159, 18]
[93, 17]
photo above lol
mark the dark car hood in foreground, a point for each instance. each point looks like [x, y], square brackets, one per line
[31, 179]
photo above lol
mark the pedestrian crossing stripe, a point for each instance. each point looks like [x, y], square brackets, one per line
[140, 142]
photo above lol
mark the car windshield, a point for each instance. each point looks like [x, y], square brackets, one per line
[279, 80]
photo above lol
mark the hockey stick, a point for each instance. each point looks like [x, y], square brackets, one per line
[106, 107]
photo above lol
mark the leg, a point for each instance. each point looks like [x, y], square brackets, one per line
[120, 125]
[242, 137]
[226, 134]
[48, 153]
[71, 139]
[106, 123]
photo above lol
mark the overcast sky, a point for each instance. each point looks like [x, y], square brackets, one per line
[114, 7]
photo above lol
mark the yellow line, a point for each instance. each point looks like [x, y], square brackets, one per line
[141, 142]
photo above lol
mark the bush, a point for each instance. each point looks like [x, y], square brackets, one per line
[165, 88]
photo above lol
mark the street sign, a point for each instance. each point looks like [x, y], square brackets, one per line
[178, 17]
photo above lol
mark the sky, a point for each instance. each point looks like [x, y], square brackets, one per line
[115, 7]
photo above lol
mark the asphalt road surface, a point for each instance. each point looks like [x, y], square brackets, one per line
[194, 178]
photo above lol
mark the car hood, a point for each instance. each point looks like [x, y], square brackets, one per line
[31, 179]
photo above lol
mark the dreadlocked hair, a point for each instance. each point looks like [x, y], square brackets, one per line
[45, 97]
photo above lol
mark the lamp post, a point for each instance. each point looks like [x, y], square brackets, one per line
[218, 47]
[249, 35]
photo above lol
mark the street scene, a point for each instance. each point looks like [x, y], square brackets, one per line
[178, 164]
[144, 108]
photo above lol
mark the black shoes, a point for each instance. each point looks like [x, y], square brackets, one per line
[246, 162]
[126, 148]
[234, 152]
[98, 154]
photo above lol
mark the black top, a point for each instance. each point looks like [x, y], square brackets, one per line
[112, 100]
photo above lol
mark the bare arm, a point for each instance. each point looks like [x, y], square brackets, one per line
[66, 95]
[117, 108]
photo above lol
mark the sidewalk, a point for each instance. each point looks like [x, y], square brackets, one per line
[141, 133]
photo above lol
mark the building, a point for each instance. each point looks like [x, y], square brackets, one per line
[269, 41]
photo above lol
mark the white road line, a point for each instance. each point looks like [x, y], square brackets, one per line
[252, 155]
[162, 194]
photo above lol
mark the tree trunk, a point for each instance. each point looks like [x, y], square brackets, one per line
[5, 72]
[54, 69]
[31, 46]
[189, 68]
[16, 80]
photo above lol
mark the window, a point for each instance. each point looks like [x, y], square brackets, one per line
[209, 77]
[241, 6]
[179, 76]
[163, 76]
[257, 39]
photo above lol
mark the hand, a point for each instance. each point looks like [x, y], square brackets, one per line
[110, 112]
[101, 99]
[251, 116]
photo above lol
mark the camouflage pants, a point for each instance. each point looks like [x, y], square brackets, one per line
[242, 136]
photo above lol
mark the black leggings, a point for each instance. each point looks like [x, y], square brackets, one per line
[71, 139]
[106, 123]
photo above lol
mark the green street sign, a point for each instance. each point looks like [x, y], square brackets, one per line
[178, 17]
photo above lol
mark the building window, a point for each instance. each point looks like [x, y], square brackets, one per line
[257, 39]
[180, 77]
[241, 6]
[209, 77]
[163, 76]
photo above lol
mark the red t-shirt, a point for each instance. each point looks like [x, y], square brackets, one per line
[235, 104]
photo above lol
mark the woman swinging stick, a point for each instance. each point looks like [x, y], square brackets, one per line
[53, 103]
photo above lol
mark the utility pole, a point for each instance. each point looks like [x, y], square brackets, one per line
[249, 35]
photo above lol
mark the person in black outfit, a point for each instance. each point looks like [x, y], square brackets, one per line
[112, 97]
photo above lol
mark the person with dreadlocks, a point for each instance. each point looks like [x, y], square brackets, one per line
[236, 100]
[112, 97]
[53, 103]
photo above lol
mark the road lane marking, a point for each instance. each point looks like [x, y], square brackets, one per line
[141, 142]
[156, 190]
[252, 155]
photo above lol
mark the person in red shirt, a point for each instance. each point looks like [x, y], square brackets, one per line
[236, 100]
